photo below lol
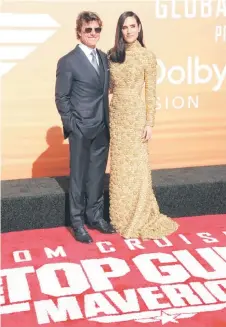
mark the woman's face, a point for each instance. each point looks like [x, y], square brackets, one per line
[130, 30]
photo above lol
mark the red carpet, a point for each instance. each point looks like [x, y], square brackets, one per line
[49, 279]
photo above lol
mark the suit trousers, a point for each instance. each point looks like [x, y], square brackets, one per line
[88, 159]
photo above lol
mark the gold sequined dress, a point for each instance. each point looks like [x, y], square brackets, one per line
[134, 211]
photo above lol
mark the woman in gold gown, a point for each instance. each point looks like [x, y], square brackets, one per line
[134, 211]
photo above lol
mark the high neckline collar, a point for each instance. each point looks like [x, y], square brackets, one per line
[134, 45]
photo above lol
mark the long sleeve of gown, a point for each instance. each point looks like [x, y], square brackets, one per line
[150, 77]
[110, 90]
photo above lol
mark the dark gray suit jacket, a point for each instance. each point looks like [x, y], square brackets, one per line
[81, 95]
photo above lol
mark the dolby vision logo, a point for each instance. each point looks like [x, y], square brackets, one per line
[193, 72]
[20, 35]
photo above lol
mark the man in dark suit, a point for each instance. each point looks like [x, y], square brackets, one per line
[81, 97]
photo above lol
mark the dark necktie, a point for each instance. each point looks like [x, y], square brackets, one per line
[94, 61]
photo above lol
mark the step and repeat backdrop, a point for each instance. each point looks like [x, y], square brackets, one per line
[189, 40]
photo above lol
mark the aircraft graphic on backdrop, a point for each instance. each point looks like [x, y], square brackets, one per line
[20, 35]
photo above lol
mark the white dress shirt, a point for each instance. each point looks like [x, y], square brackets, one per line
[88, 52]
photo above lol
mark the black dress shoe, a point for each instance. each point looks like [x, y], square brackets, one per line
[102, 226]
[82, 235]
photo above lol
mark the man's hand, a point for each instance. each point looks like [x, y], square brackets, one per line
[147, 134]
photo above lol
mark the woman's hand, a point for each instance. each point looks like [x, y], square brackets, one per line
[147, 133]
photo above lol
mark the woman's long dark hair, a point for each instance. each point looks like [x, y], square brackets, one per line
[118, 53]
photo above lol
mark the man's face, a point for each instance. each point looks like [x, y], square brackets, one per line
[90, 33]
